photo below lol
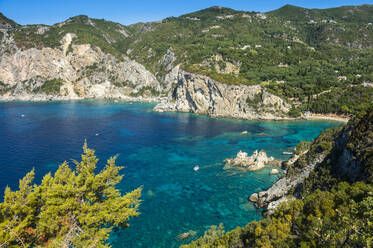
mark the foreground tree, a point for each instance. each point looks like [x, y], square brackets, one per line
[69, 209]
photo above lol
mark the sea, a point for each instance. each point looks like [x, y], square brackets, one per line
[159, 152]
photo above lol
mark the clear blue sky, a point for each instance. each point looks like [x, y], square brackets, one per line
[132, 11]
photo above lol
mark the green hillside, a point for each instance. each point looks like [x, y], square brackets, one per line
[284, 50]
[317, 59]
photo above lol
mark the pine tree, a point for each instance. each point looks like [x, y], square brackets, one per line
[72, 208]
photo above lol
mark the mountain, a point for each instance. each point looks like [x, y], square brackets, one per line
[302, 59]
[6, 23]
[356, 14]
[324, 199]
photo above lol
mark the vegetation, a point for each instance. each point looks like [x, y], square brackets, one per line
[317, 59]
[72, 208]
[336, 218]
[146, 90]
[50, 87]
[294, 112]
[316, 149]
[331, 211]
[7, 23]
[106, 35]
[311, 57]
[302, 147]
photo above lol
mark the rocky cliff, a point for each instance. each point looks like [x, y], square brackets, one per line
[71, 71]
[256, 161]
[202, 95]
[339, 154]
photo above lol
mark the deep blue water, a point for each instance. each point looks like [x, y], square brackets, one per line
[159, 151]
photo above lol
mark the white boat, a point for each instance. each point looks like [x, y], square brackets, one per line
[287, 153]
[196, 168]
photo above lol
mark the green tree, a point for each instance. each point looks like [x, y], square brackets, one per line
[72, 208]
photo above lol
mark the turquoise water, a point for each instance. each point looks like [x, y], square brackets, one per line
[159, 151]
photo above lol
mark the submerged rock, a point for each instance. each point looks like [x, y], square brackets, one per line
[274, 172]
[254, 162]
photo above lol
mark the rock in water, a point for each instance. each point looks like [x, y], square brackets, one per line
[254, 162]
[254, 197]
[274, 172]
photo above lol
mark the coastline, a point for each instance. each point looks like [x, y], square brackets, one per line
[67, 99]
[44, 98]
[328, 117]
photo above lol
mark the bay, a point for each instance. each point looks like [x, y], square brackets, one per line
[159, 151]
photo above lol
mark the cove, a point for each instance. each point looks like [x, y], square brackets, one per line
[159, 151]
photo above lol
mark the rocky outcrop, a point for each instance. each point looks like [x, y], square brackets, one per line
[282, 187]
[254, 197]
[274, 172]
[168, 59]
[257, 161]
[85, 72]
[203, 95]
[343, 154]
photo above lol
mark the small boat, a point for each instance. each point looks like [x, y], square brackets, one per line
[196, 168]
[22, 115]
[97, 134]
[287, 153]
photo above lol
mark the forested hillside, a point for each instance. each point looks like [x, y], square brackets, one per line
[319, 60]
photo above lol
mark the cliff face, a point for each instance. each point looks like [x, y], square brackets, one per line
[203, 95]
[82, 70]
[343, 154]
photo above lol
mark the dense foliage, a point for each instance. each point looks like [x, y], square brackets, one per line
[341, 217]
[50, 87]
[317, 59]
[72, 208]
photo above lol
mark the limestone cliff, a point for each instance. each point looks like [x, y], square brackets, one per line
[82, 70]
[203, 95]
[256, 161]
[339, 154]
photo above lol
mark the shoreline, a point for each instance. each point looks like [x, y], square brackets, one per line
[38, 99]
[327, 117]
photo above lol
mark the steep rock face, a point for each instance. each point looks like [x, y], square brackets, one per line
[202, 95]
[343, 154]
[85, 72]
[282, 187]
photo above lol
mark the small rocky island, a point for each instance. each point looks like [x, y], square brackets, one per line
[256, 161]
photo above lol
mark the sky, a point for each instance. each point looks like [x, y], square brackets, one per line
[133, 11]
